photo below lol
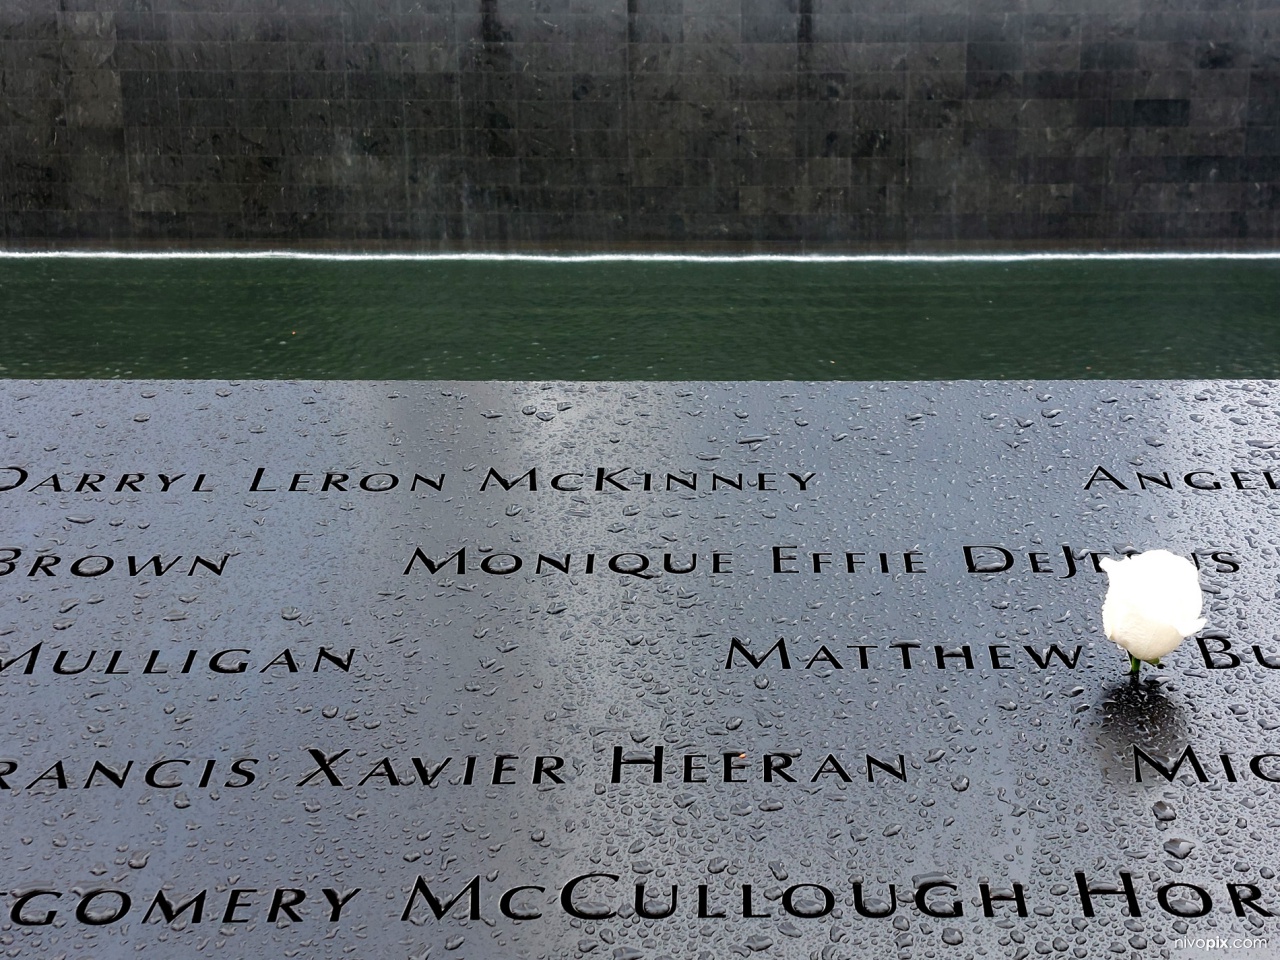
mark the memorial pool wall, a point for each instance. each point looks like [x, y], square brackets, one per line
[810, 125]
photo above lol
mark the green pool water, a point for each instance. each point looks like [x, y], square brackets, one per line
[638, 320]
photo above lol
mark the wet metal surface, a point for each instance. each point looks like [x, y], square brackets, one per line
[629, 670]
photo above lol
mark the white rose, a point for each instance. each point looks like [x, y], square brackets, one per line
[1153, 603]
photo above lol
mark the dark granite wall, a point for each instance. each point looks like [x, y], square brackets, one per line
[483, 124]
